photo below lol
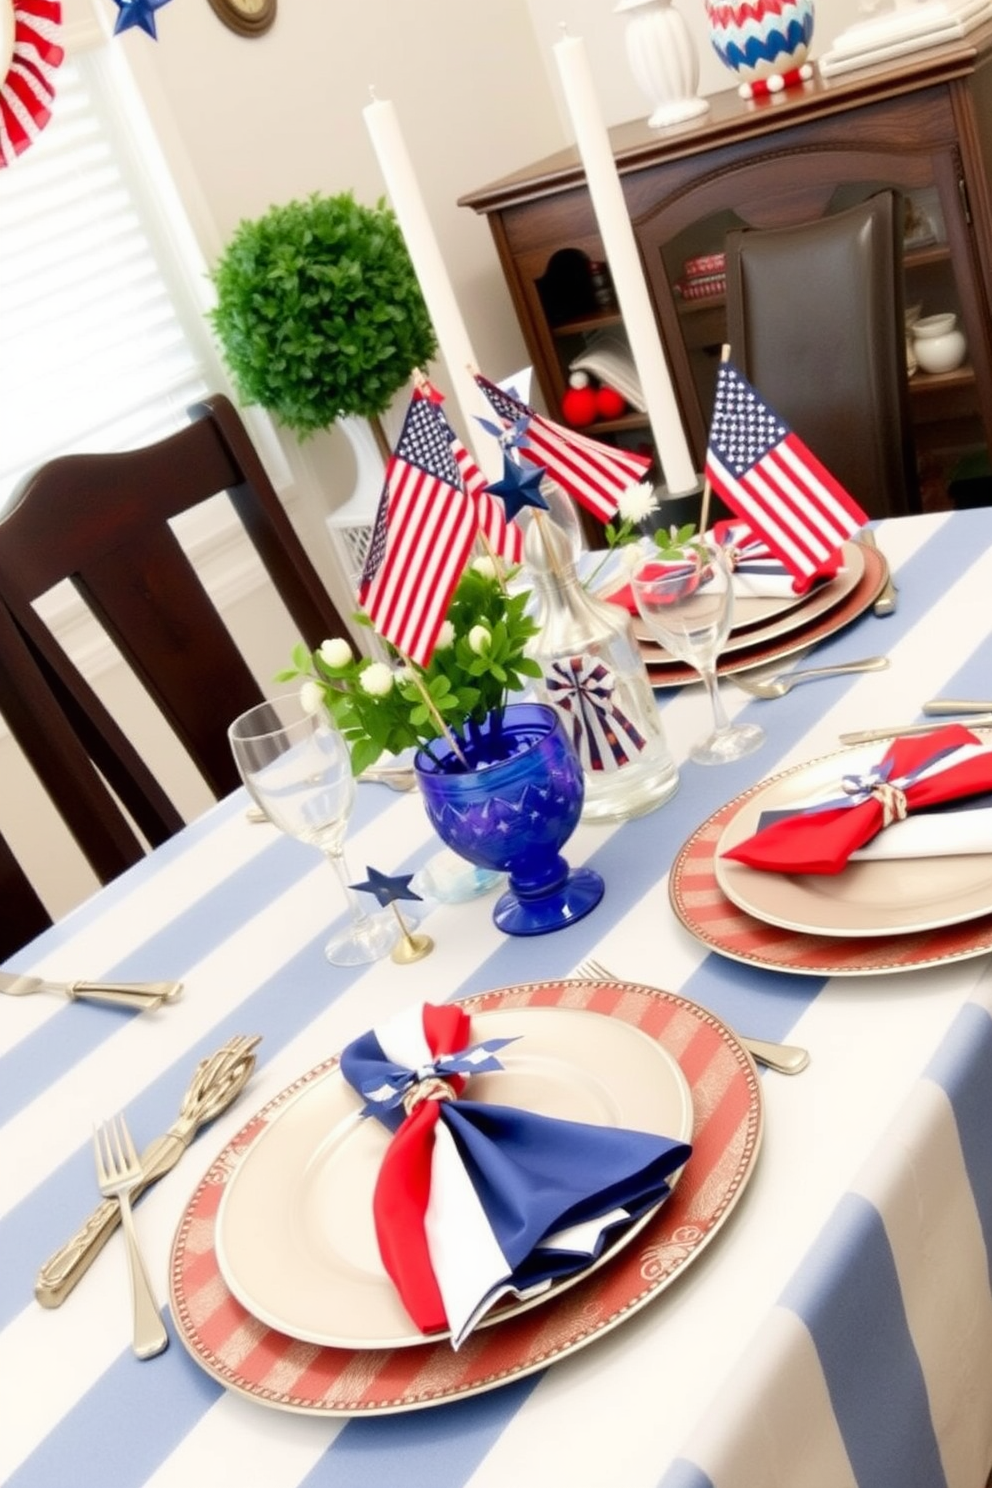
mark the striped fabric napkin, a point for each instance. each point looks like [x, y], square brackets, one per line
[475, 1201]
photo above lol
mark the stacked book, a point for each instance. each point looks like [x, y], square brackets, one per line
[703, 277]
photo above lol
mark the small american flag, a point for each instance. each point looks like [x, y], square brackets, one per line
[771, 479]
[594, 474]
[505, 538]
[424, 531]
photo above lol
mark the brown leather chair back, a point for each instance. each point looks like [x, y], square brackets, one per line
[815, 322]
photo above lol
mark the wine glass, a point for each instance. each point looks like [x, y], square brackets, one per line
[688, 607]
[296, 767]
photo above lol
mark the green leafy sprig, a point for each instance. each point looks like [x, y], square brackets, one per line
[381, 707]
[677, 542]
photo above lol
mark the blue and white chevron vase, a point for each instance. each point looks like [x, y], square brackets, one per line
[761, 38]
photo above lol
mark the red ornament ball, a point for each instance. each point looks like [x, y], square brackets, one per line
[609, 403]
[578, 406]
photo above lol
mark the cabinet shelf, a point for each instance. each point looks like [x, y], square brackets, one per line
[922, 258]
[629, 422]
[583, 325]
[923, 384]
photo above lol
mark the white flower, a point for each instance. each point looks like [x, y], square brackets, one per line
[637, 502]
[336, 653]
[479, 639]
[376, 679]
[445, 635]
[311, 697]
[484, 566]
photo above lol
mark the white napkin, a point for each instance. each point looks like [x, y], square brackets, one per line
[937, 834]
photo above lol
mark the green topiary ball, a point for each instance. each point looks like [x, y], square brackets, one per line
[319, 311]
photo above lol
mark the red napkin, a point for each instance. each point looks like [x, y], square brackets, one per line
[817, 840]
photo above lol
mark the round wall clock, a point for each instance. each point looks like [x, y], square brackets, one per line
[246, 17]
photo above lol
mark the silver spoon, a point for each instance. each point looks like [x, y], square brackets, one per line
[776, 687]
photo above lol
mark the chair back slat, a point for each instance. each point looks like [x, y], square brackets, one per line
[22, 916]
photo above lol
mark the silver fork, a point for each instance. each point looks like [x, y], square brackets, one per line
[788, 1059]
[118, 1173]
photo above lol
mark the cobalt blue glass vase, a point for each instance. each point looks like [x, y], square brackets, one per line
[512, 810]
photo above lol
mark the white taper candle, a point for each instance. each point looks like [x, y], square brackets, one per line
[453, 341]
[620, 248]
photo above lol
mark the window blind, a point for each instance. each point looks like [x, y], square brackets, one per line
[96, 353]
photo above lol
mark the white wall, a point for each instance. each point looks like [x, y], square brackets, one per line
[250, 122]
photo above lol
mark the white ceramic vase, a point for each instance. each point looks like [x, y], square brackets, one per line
[663, 59]
[938, 344]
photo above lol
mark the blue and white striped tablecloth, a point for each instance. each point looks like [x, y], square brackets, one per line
[837, 1332]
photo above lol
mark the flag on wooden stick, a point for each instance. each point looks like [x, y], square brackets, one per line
[775, 483]
[503, 538]
[594, 474]
[424, 530]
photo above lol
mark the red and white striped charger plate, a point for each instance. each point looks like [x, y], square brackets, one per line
[718, 923]
[263, 1364]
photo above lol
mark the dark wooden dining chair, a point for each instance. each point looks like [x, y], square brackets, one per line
[815, 322]
[102, 521]
[22, 914]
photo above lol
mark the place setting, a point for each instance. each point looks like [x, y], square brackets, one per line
[306, 1273]
[771, 622]
[828, 867]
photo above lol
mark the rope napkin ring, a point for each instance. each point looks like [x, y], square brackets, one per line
[891, 797]
[429, 1087]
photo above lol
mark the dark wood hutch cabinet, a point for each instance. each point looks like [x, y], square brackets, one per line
[922, 125]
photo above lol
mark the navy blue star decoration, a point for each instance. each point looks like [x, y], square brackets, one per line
[137, 13]
[387, 889]
[519, 486]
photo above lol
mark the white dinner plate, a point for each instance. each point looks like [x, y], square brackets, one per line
[878, 898]
[295, 1237]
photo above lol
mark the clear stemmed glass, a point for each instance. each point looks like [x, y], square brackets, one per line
[296, 767]
[688, 607]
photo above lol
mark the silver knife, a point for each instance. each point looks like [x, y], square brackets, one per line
[940, 706]
[907, 731]
[122, 994]
[216, 1083]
